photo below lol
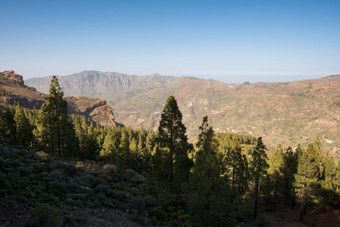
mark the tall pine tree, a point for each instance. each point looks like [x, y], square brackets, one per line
[208, 195]
[307, 175]
[58, 132]
[259, 168]
[172, 137]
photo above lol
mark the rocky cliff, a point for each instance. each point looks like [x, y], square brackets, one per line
[94, 108]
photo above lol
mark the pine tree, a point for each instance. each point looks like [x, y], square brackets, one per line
[326, 189]
[288, 170]
[144, 154]
[307, 175]
[259, 167]
[124, 151]
[207, 194]
[238, 165]
[84, 132]
[135, 160]
[58, 132]
[24, 129]
[133, 147]
[93, 146]
[160, 164]
[337, 180]
[172, 136]
[7, 125]
[275, 165]
[109, 148]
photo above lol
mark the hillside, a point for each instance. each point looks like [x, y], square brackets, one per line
[13, 90]
[39, 189]
[288, 113]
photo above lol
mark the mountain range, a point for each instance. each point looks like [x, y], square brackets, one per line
[284, 113]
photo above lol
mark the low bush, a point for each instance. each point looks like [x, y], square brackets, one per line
[45, 215]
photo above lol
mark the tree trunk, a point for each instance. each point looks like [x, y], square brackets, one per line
[275, 190]
[301, 212]
[171, 170]
[233, 176]
[58, 132]
[256, 192]
[293, 203]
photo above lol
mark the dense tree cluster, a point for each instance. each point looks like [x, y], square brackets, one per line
[221, 170]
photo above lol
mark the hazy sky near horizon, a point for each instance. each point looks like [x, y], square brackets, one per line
[230, 41]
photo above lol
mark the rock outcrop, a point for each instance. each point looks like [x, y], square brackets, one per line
[95, 109]
[11, 75]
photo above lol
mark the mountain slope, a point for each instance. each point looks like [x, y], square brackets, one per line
[287, 113]
[13, 90]
[113, 86]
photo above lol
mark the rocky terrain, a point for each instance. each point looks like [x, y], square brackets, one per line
[284, 113]
[13, 90]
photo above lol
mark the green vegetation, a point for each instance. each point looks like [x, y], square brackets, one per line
[54, 165]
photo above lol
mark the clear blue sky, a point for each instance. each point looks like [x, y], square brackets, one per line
[231, 41]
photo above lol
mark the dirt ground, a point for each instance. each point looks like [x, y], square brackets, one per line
[284, 216]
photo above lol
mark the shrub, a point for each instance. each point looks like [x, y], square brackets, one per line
[11, 203]
[56, 175]
[76, 196]
[89, 180]
[70, 202]
[101, 188]
[137, 219]
[78, 220]
[70, 170]
[45, 215]
[41, 156]
[158, 212]
[138, 203]
[56, 188]
[25, 170]
[101, 197]
[110, 169]
[80, 164]
[261, 221]
[119, 195]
